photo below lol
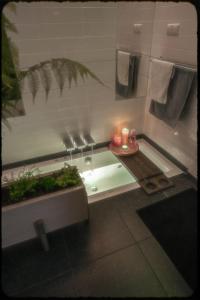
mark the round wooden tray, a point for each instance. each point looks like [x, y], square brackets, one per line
[121, 152]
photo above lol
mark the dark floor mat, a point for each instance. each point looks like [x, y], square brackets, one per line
[173, 222]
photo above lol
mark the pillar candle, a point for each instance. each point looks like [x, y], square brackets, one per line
[125, 133]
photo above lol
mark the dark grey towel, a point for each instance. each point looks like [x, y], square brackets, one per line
[178, 94]
[126, 91]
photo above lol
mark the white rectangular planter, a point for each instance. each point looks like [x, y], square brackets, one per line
[58, 209]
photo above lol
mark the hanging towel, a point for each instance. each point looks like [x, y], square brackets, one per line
[126, 73]
[179, 91]
[160, 74]
[123, 67]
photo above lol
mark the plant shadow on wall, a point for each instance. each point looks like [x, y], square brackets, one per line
[62, 69]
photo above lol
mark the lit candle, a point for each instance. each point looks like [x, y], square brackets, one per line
[117, 140]
[125, 133]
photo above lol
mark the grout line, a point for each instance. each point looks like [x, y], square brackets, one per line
[67, 23]
[81, 37]
[141, 240]
[123, 221]
[152, 269]
[90, 262]
[42, 282]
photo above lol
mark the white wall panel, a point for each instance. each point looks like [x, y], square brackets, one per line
[81, 31]
[180, 142]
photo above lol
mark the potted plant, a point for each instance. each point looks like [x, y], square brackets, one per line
[58, 198]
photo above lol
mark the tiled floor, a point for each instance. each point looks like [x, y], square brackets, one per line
[113, 255]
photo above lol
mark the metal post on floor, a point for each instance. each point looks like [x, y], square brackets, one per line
[40, 230]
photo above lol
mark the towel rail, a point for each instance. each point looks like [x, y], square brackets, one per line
[188, 66]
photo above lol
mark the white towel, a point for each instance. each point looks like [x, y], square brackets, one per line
[123, 67]
[160, 74]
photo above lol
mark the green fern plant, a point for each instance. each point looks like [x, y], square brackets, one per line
[63, 69]
[38, 75]
[10, 90]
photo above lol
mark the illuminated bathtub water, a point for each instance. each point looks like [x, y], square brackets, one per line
[106, 178]
[104, 172]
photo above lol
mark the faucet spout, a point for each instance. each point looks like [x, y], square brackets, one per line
[78, 142]
[68, 144]
[88, 139]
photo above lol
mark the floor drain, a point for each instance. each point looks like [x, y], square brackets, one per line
[94, 188]
[119, 166]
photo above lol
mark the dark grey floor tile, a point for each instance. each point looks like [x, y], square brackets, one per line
[181, 183]
[135, 224]
[58, 287]
[125, 273]
[171, 279]
[137, 199]
[27, 264]
[104, 234]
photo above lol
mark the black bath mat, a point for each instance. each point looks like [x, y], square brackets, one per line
[173, 222]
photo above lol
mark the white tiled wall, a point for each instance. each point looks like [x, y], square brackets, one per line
[83, 31]
[130, 13]
[90, 32]
[181, 142]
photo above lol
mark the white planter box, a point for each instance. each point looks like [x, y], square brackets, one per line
[58, 209]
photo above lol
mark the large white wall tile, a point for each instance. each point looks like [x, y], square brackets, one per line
[187, 27]
[99, 14]
[99, 29]
[173, 54]
[179, 11]
[45, 45]
[94, 43]
[34, 15]
[186, 42]
[80, 55]
[99, 4]
[180, 142]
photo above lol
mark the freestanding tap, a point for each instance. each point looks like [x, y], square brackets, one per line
[78, 142]
[88, 139]
[68, 143]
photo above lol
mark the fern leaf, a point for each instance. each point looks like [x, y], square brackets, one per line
[45, 76]
[5, 121]
[57, 68]
[33, 82]
[10, 109]
[8, 25]
[84, 71]
[21, 76]
[15, 54]
[11, 6]
[62, 68]
[73, 74]
[7, 82]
